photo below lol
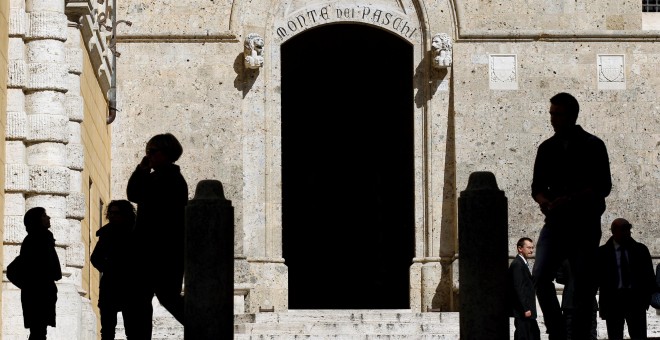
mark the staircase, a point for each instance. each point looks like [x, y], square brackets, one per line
[347, 324]
[373, 324]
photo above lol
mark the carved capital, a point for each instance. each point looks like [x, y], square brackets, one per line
[253, 51]
[441, 49]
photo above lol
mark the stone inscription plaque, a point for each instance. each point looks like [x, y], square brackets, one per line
[309, 17]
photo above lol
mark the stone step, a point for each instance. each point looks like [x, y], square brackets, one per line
[349, 325]
[333, 315]
[346, 337]
[351, 322]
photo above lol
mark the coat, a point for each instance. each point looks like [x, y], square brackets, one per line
[111, 258]
[522, 293]
[39, 295]
[161, 198]
[642, 278]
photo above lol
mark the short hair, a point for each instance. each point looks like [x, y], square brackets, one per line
[521, 242]
[126, 208]
[568, 102]
[32, 218]
[168, 144]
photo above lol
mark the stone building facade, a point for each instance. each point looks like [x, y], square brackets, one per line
[56, 146]
[342, 131]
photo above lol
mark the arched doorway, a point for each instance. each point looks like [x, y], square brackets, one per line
[347, 168]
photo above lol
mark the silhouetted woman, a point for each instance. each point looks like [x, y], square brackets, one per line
[111, 258]
[39, 295]
[161, 194]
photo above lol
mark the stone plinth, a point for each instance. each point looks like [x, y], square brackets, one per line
[209, 275]
[483, 242]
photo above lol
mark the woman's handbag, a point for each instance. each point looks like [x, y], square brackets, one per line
[16, 272]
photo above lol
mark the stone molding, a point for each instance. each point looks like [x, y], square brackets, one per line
[88, 15]
[389, 18]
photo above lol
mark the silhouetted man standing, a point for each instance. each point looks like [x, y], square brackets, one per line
[571, 180]
[523, 297]
[626, 282]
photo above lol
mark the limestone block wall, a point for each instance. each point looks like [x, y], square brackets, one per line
[4, 62]
[181, 71]
[44, 155]
[499, 130]
[522, 15]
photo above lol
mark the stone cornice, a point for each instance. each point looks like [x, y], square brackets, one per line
[179, 38]
[95, 40]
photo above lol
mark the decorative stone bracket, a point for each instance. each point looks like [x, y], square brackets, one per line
[253, 51]
[441, 47]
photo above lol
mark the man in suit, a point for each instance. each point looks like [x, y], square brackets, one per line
[626, 281]
[523, 298]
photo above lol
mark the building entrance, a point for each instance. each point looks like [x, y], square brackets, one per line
[347, 168]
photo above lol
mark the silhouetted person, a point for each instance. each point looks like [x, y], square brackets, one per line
[523, 296]
[161, 194]
[111, 258]
[571, 180]
[39, 295]
[565, 278]
[626, 281]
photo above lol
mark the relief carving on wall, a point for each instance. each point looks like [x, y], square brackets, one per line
[254, 51]
[442, 50]
[503, 72]
[611, 72]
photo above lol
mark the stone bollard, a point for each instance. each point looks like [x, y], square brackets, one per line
[209, 275]
[483, 259]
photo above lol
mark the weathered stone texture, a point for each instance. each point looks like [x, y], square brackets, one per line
[182, 18]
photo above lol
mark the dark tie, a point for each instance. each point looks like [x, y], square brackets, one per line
[625, 268]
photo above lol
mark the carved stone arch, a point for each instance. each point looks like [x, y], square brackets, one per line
[278, 21]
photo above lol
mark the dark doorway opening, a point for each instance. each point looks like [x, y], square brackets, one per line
[347, 168]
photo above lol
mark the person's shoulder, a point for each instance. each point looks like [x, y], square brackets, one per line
[641, 246]
[582, 134]
[609, 245]
[517, 261]
[104, 230]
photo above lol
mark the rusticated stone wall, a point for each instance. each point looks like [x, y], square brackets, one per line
[45, 155]
[4, 59]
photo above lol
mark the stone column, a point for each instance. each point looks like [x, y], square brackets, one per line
[40, 159]
[483, 259]
[209, 276]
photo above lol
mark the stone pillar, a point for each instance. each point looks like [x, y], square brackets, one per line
[44, 166]
[483, 259]
[209, 276]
